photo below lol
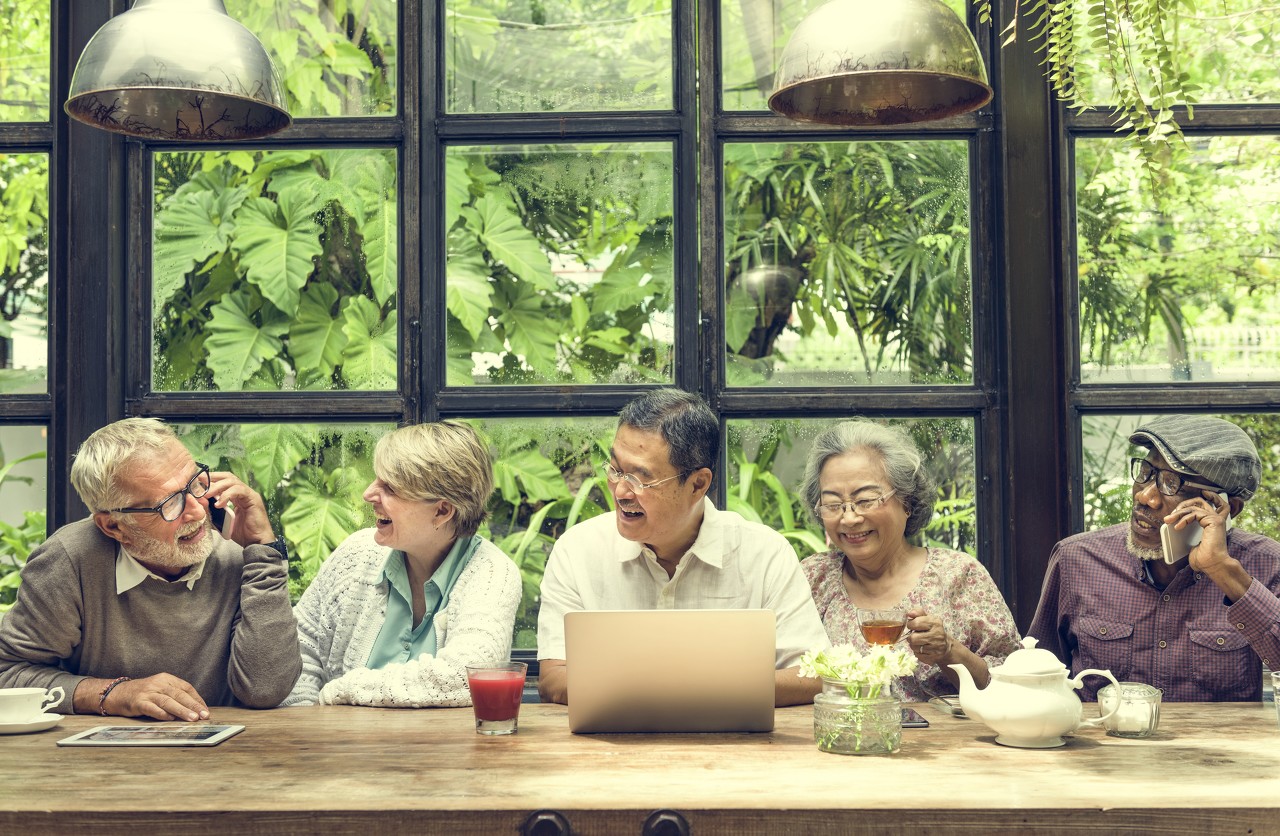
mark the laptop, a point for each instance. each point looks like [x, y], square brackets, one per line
[670, 670]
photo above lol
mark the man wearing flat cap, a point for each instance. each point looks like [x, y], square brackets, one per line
[1199, 629]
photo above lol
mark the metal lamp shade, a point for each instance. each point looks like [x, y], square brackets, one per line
[879, 62]
[177, 69]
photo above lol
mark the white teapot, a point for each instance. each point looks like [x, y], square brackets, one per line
[1029, 701]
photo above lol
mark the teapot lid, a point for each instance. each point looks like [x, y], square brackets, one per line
[1031, 660]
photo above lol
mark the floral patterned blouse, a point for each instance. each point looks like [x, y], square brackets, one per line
[952, 585]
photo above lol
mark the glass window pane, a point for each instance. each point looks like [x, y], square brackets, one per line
[24, 61]
[753, 35]
[24, 273]
[513, 56]
[23, 499]
[274, 270]
[548, 476]
[1229, 49]
[311, 477]
[847, 263]
[335, 57]
[777, 449]
[1184, 291]
[1108, 489]
[560, 264]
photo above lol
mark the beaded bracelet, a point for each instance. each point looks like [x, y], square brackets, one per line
[102, 697]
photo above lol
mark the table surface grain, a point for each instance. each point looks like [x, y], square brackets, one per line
[345, 769]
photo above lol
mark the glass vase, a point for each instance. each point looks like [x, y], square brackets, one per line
[848, 721]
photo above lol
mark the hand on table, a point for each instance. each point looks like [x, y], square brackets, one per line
[162, 696]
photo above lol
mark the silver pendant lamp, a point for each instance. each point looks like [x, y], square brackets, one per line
[177, 70]
[879, 62]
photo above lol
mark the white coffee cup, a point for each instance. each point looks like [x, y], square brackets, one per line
[22, 705]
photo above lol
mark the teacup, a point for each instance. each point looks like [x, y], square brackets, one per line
[22, 705]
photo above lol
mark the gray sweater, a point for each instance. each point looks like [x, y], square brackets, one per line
[232, 636]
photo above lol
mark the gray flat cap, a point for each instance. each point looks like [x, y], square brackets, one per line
[1211, 448]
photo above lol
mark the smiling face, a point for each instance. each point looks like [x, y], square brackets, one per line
[872, 539]
[666, 518]
[164, 547]
[413, 526]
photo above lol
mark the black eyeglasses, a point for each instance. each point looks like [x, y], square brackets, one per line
[170, 508]
[1168, 482]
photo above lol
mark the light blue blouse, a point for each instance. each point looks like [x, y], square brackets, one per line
[399, 641]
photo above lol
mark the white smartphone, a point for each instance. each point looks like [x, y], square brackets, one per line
[1177, 544]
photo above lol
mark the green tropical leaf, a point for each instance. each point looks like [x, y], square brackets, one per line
[532, 334]
[379, 232]
[274, 450]
[369, 359]
[320, 512]
[539, 475]
[317, 338]
[276, 243]
[457, 189]
[469, 293]
[620, 289]
[496, 222]
[191, 226]
[236, 348]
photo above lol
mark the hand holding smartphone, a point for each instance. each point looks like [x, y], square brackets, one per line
[1178, 543]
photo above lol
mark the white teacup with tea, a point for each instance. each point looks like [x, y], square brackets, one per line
[24, 705]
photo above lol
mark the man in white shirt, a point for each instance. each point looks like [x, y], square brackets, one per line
[667, 547]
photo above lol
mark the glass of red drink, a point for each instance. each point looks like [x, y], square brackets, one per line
[495, 695]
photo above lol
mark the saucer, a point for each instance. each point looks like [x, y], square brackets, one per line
[40, 723]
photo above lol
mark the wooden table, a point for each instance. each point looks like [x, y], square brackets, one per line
[1210, 768]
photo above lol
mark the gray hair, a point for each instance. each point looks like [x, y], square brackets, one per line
[903, 464]
[107, 454]
[686, 423]
[442, 460]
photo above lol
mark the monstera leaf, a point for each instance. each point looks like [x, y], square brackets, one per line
[369, 360]
[456, 189]
[319, 513]
[276, 243]
[620, 289]
[496, 223]
[236, 347]
[192, 226]
[273, 451]
[316, 338]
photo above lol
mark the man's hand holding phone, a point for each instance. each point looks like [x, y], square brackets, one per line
[1197, 527]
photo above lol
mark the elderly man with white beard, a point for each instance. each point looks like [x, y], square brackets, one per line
[143, 609]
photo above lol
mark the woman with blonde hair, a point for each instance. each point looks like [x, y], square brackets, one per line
[399, 610]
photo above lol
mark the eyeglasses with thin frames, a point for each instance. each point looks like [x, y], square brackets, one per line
[614, 475]
[1168, 482]
[170, 508]
[832, 511]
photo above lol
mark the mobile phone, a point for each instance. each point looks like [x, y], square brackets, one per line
[949, 703]
[911, 719]
[1177, 544]
[218, 516]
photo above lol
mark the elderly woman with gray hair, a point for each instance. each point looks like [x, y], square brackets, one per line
[399, 610]
[868, 487]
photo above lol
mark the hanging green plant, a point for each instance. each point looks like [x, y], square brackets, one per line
[1134, 45]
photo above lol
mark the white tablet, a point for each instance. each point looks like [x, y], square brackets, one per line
[165, 734]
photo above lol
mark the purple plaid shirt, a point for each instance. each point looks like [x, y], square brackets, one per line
[1098, 610]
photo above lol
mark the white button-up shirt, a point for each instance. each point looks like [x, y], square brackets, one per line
[733, 564]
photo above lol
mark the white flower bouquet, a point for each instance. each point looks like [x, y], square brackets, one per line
[864, 675]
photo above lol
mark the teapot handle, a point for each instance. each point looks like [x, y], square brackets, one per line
[1079, 682]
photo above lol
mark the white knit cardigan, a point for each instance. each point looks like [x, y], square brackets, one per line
[343, 610]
